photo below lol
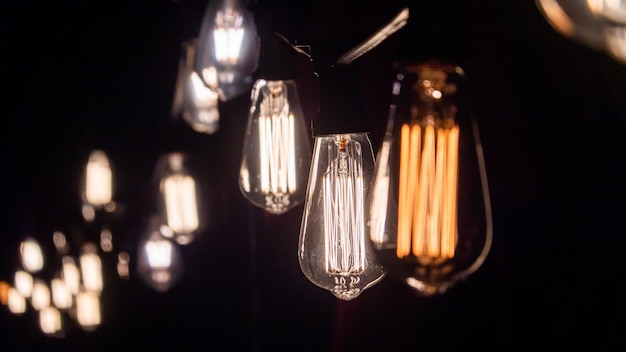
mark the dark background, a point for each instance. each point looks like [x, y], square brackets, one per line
[552, 115]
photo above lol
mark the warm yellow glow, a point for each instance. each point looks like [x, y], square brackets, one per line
[427, 199]
[180, 203]
[228, 36]
[16, 301]
[4, 293]
[32, 257]
[616, 42]
[344, 211]
[88, 309]
[123, 260]
[24, 283]
[61, 295]
[50, 320]
[557, 17]
[106, 240]
[40, 298]
[98, 179]
[159, 253]
[91, 269]
[71, 274]
[60, 241]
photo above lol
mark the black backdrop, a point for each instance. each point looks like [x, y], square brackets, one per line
[552, 115]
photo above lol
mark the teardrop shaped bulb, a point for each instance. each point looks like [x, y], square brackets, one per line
[228, 48]
[277, 148]
[159, 262]
[429, 211]
[333, 251]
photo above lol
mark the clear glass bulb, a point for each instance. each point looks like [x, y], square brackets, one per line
[179, 199]
[31, 254]
[333, 250]
[228, 48]
[159, 262]
[598, 24]
[429, 210]
[91, 268]
[50, 321]
[88, 313]
[277, 148]
[98, 180]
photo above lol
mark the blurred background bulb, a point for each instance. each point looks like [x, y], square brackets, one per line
[23, 283]
[98, 185]
[40, 297]
[50, 321]
[91, 268]
[196, 102]
[334, 252]
[276, 151]
[61, 294]
[159, 261]
[429, 210]
[16, 301]
[88, 313]
[31, 254]
[70, 274]
[598, 24]
[228, 48]
[179, 199]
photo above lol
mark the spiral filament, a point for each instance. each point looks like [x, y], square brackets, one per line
[343, 209]
[427, 197]
[277, 146]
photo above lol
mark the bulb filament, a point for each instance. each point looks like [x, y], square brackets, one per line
[180, 203]
[277, 147]
[427, 199]
[228, 36]
[343, 209]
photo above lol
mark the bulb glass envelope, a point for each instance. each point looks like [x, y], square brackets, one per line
[429, 209]
[333, 250]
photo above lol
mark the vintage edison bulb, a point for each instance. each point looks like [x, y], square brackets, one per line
[179, 200]
[91, 268]
[31, 254]
[228, 48]
[333, 250]
[88, 310]
[159, 262]
[429, 210]
[277, 149]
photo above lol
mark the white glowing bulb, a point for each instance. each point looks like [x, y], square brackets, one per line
[32, 257]
[88, 310]
[334, 252]
[71, 274]
[277, 148]
[91, 268]
[98, 188]
[40, 298]
[50, 320]
[159, 262]
[16, 301]
[24, 283]
[61, 295]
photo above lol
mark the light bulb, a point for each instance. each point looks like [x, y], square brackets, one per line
[429, 210]
[23, 282]
[598, 24]
[16, 301]
[40, 297]
[88, 312]
[228, 48]
[97, 189]
[70, 274]
[32, 257]
[179, 199]
[276, 151]
[91, 268]
[61, 294]
[50, 321]
[194, 100]
[334, 252]
[159, 262]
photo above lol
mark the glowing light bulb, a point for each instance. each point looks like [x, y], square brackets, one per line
[598, 24]
[334, 252]
[71, 274]
[193, 99]
[98, 185]
[277, 150]
[23, 283]
[179, 198]
[159, 261]
[32, 257]
[91, 268]
[88, 312]
[228, 48]
[61, 294]
[40, 297]
[16, 301]
[429, 211]
[50, 321]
